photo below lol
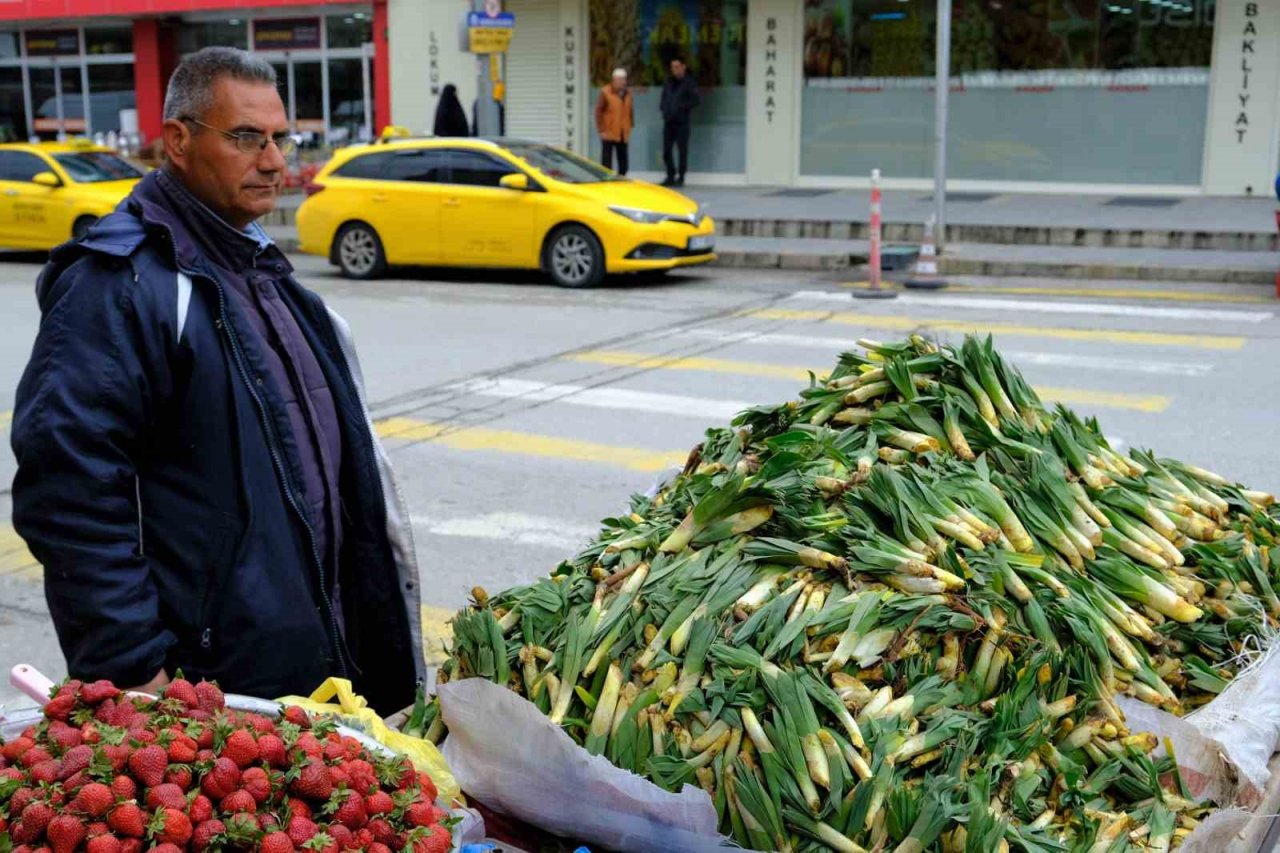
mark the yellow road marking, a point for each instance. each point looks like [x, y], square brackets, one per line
[526, 444]
[15, 560]
[1102, 292]
[906, 324]
[436, 632]
[1078, 396]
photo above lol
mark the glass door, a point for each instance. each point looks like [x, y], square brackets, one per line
[307, 110]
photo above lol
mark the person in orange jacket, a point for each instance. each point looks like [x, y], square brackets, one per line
[614, 119]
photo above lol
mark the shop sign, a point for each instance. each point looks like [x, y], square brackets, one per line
[286, 34]
[53, 42]
[570, 86]
[51, 125]
[490, 33]
[1248, 40]
[771, 68]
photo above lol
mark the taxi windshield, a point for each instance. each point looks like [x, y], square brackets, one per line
[560, 164]
[92, 167]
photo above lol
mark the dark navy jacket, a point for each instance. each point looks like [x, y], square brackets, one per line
[159, 486]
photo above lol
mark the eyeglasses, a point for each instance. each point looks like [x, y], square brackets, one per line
[251, 141]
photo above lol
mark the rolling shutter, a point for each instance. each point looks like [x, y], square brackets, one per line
[535, 87]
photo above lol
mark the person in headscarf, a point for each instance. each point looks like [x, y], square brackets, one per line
[451, 119]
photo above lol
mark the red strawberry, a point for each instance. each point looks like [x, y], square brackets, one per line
[206, 756]
[22, 834]
[379, 802]
[260, 724]
[149, 764]
[94, 799]
[35, 755]
[257, 783]
[204, 834]
[182, 749]
[383, 832]
[170, 826]
[238, 801]
[124, 788]
[98, 692]
[363, 777]
[276, 842]
[308, 744]
[334, 751]
[20, 799]
[98, 828]
[210, 697]
[166, 795]
[313, 782]
[11, 773]
[36, 817]
[180, 775]
[338, 776]
[340, 835]
[128, 820]
[46, 771]
[268, 822]
[271, 749]
[200, 810]
[13, 750]
[103, 844]
[118, 755]
[420, 813]
[181, 690]
[241, 748]
[65, 833]
[131, 845]
[65, 735]
[298, 808]
[379, 847]
[166, 848]
[297, 716]
[301, 830]
[350, 812]
[428, 786]
[221, 780]
[204, 738]
[60, 707]
[435, 840]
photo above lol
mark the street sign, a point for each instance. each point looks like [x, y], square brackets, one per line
[490, 33]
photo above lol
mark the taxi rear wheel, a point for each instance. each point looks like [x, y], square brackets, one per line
[573, 257]
[358, 252]
[81, 226]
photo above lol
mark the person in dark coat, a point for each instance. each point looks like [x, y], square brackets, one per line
[451, 118]
[197, 472]
[679, 99]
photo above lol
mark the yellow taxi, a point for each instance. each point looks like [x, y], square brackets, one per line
[51, 192]
[495, 203]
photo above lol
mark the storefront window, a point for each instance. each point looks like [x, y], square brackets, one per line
[100, 40]
[350, 30]
[308, 93]
[13, 113]
[110, 91]
[643, 36]
[1059, 90]
[9, 45]
[197, 34]
[346, 100]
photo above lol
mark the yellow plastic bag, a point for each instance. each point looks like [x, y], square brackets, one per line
[335, 699]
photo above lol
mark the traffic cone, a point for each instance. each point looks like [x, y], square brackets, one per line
[925, 275]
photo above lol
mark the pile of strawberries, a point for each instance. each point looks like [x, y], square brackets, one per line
[109, 773]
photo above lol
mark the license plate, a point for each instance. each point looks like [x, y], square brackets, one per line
[702, 243]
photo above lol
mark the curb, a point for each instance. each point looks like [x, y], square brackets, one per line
[1015, 235]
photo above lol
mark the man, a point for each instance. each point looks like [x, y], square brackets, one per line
[679, 98]
[614, 119]
[197, 472]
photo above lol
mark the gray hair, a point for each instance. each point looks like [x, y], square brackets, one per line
[190, 92]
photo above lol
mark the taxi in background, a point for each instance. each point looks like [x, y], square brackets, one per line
[51, 192]
[459, 202]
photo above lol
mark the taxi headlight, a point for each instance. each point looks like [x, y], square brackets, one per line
[635, 214]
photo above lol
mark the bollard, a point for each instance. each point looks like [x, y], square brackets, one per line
[875, 291]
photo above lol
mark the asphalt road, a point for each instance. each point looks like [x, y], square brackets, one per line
[518, 414]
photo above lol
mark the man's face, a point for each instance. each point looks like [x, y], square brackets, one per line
[239, 186]
[677, 69]
[619, 82]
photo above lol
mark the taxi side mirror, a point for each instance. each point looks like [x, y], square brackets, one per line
[46, 179]
[515, 181]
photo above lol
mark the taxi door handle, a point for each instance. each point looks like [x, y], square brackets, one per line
[10, 192]
[379, 197]
[452, 202]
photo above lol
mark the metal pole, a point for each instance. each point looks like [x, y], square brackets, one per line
[942, 85]
[486, 111]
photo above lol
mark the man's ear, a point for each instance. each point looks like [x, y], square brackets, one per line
[177, 141]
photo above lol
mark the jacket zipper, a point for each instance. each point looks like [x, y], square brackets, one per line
[335, 636]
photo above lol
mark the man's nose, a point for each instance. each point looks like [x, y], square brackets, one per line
[271, 159]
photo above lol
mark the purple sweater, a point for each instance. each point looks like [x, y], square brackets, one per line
[252, 266]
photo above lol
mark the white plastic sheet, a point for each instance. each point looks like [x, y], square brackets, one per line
[505, 753]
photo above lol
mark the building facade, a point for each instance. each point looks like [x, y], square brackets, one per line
[1145, 97]
[88, 67]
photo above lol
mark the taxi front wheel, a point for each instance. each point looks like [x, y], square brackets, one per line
[358, 252]
[574, 257]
